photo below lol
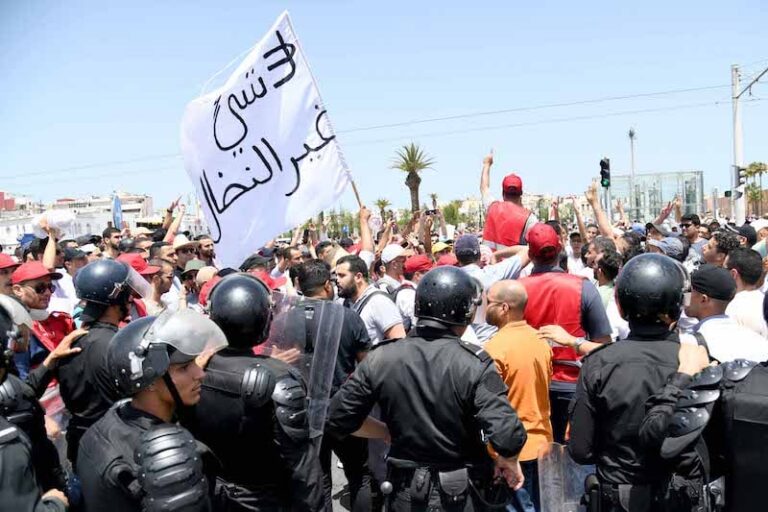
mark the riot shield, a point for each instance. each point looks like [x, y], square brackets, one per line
[313, 328]
[561, 480]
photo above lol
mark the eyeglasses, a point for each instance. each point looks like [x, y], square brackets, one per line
[42, 287]
[685, 226]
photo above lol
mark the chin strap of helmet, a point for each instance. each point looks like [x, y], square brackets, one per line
[174, 392]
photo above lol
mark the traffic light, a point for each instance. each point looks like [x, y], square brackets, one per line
[741, 176]
[605, 172]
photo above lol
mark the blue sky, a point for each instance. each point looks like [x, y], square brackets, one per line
[86, 83]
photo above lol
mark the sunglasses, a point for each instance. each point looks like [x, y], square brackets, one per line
[42, 287]
[685, 226]
[188, 250]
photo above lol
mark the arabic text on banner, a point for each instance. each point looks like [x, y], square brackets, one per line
[260, 150]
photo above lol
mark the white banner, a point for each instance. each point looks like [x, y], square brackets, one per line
[260, 150]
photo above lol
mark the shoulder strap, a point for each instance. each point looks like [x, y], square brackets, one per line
[359, 307]
[475, 350]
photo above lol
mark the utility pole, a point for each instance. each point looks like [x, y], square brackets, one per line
[738, 196]
[632, 214]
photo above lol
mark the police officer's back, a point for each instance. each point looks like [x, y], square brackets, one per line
[617, 379]
[436, 395]
[135, 457]
[252, 411]
[84, 380]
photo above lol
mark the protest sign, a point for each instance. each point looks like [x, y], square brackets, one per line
[260, 150]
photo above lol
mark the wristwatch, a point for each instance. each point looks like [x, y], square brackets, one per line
[578, 343]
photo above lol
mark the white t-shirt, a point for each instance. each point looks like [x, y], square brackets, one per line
[576, 266]
[379, 314]
[746, 309]
[619, 326]
[727, 340]
[64, 297]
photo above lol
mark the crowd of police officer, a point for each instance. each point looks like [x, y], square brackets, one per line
[177, 412]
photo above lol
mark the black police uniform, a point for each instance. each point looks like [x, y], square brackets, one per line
[18, 487]
[115, 479]
[442, 400]
[86, 387]
[252, 414]
[616, 381]
[614, 384]
[20, 406]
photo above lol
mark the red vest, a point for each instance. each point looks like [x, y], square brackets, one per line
[554, 298]
[52, 330]
[504, 224]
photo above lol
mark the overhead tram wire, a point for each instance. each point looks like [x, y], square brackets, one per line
[392, 125]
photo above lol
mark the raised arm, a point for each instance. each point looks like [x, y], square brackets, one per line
[579, 220]
[603, 223]
[485, 174]
[366, 237]
[171, 234]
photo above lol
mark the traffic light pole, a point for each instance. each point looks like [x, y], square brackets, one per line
[738, 203]
[737, 196]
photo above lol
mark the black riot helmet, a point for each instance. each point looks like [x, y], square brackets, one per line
[649, 288]
[241, 306]
[8, 333]
[448, 295]
[142, 351]
[104, 283]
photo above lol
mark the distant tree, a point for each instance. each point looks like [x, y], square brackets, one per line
[382, 204]
[411, 159]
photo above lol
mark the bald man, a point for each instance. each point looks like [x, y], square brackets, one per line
[525, 364]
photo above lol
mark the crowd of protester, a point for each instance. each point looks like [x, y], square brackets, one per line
[548, 299]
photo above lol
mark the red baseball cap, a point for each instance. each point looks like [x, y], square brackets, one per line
[7, 262]
[273, 283]
[448, 260]
[32, 270]
[418, 263]
[542, 239]
[139, 264]
[512, 184]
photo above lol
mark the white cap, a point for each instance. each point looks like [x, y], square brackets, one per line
[391, 252]
[759, 224]
[88, 248]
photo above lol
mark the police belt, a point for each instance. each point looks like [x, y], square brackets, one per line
[455, 481]
[605, 496]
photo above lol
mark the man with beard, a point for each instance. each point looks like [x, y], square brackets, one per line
[380, 314]
[111, 238]
[206, 250]
[525, 364]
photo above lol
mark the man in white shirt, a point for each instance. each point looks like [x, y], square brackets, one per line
[414, 269]
[467, 250]
[393, 259]
[575, 264]
[379, 313]
[64, 297]
[746, 308]
[712, 288]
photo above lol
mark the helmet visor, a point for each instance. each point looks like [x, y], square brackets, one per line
[138, 284]
[188, 333]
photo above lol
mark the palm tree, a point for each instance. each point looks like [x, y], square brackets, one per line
[382, 205]
[433, 197]
[757, 169]
[753, 195]
[411, 159]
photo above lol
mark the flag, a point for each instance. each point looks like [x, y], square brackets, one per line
[260, 150]
[117, 212]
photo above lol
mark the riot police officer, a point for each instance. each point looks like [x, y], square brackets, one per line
[84, 380]
[443, 401]
[617, 379]
[134, 458]
[252, 412]
[20, 483]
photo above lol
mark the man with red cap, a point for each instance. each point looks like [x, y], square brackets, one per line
[7, 266]
[507, 222]
[405, 297]
[32, 285]
[570, 301]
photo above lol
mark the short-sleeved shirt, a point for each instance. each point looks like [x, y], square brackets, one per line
[378, 313]
[525, 364]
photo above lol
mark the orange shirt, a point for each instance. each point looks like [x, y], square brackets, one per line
[525, 364]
